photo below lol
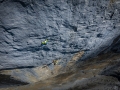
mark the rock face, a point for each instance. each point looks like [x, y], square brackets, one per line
[99, 73]
[32, 75]
[69, 25]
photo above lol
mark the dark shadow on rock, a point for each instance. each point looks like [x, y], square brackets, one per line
[113, 71]
[114, 47]
[7, 81]
[22, 67]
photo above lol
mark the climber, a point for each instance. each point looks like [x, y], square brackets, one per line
[44, 42]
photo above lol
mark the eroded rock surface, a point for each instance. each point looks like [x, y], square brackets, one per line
[76, 30]
[101, 72]
[32, 75]
[69, 25]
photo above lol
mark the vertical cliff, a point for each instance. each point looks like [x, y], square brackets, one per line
[43, 38]
[70, 26]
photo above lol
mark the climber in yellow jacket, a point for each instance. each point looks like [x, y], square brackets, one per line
[44, 42]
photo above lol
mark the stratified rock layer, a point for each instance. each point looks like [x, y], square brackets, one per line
[101, 72]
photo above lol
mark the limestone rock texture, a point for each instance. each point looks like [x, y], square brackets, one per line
[69, 25]
[76, 30]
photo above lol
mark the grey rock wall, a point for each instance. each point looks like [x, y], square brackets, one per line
[69, 25]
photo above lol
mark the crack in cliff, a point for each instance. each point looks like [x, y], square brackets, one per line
[18, 67]
[8, 28]
[67, 25]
